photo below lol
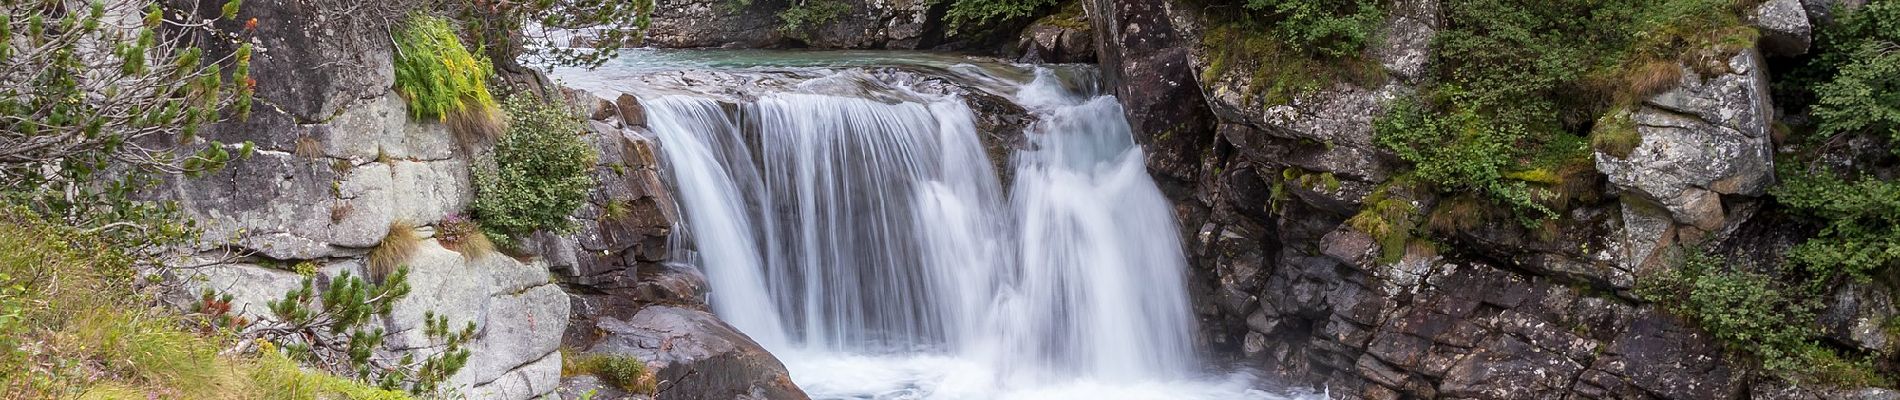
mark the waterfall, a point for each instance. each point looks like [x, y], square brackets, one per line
[864, 236]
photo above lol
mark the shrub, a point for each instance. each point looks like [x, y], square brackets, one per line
[394, 250]
[539, 175]
[1280, 70]
[1518, 86]
[443, 81]
[807, 15]
[965, 14]
[1334, 28]
[626, 372]
[1763, 316]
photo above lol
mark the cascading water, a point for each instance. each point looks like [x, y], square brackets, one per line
[858, 229]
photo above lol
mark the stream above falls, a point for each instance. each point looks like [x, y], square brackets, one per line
[861, 215]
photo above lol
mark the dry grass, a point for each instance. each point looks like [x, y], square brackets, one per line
[308, 147]
[464, 236]
[340, 210]
[1460, 213]
[1652, 78]
[395, 250]
[342, 166]
[475, 126]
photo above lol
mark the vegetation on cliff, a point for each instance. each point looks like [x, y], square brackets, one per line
[1516, 90]
[539, 174]
[443, 81]
[1292, 47]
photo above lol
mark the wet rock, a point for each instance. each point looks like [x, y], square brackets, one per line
[696, 356]
[1145, 57]
[1505, 367]
[1058, 39]
[631, 112]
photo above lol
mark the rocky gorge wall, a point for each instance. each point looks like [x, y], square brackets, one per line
[340, 163]
[1265, 192]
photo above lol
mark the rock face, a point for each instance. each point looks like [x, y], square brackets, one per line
[858, 24]
[338, 162]
[1496, 310]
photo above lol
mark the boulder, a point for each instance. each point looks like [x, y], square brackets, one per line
[714, 23]
[696, 356]
[1059, 38]
[1785, 28]
[1707, 138]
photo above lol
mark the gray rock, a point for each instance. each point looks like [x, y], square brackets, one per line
[1785, 28]
[1048, 41]
[631, 112]
[1706, 138]
[1822, 12]
[714, 23]
[1858, 314]
[696, 356]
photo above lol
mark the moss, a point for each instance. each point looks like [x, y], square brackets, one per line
[1277, 74]
[1389, 219]
[1615, 134]
[442, 80]
[394, 250]
[1071, 16]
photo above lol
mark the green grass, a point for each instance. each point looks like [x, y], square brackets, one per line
[442, 80]
[625, 372]
[1277, 72]
[73, 325]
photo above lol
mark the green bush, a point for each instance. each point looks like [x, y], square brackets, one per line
[807, 15]
[971, 13]
[1855, 81]
[443, 81]
[539, 174]
[1333, 28]
[1764, 316]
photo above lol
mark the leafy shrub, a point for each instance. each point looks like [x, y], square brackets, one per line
[443, 81]
[810, 14]
[539, 173]
[965, 14]
[1333, 28]
[1761, 315]
[1856, 78]
[626, 372]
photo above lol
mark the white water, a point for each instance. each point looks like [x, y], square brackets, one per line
[871, 247]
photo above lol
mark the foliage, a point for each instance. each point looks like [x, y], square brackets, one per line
[1280, 67]
[342, 314]
[1518, 86]
[806, 15]
[1856, 93]
[626, 372]
[1761, 315]
[964, 14]
[1863, 54]
[503, 29]
[539, 175]
[74, 323]
[443, 81]
[394, 250]
[83, 92]
[1333, 28]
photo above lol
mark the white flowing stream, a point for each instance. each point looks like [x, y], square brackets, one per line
[863, 234]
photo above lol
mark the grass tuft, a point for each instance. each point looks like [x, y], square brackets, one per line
[395, 249]
[1615, 134]
[442, 80]
[309, 147]
[464, 236]
[626, 372]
